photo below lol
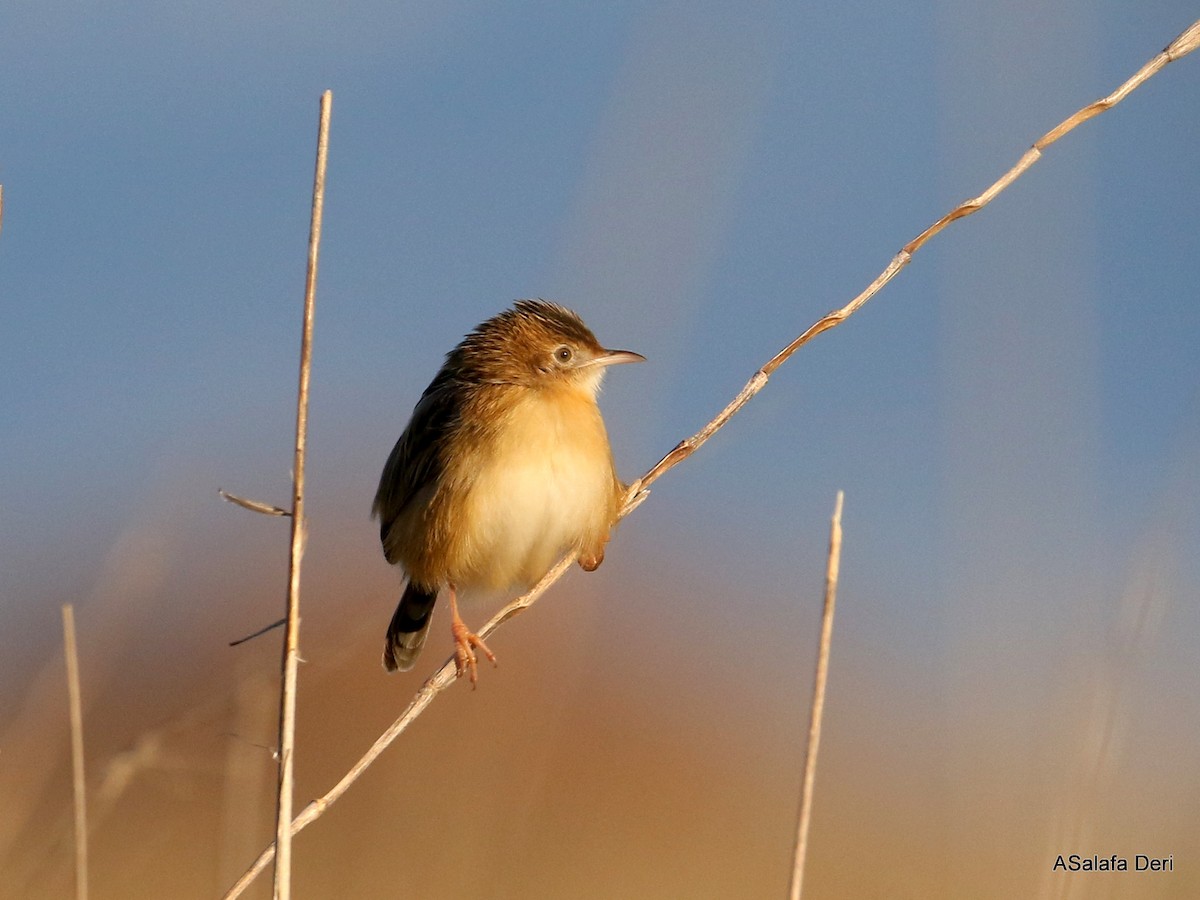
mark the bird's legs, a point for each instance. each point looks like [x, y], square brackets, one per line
[465, 642]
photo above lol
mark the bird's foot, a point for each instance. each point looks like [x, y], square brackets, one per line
[465, 644]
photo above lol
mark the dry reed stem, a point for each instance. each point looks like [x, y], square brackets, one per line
[71, 651]
[638, 490]
[291, 647]
[818, 701]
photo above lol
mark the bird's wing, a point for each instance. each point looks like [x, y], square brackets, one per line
[415, 462]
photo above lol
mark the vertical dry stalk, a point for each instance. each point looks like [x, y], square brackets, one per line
[291, 645]
[72, 655]
[818, 701]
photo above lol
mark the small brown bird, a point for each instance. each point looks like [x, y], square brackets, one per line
[504, 466]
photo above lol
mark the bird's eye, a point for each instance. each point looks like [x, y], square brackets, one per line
[563, 354]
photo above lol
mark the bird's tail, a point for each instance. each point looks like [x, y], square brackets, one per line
[408, 628]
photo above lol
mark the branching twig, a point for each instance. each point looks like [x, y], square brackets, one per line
[267, 509]
[818, 701]
[638, 491]
[278, 623]
[291, 647]
[71, 652]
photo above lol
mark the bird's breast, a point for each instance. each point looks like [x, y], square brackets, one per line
[545, 485]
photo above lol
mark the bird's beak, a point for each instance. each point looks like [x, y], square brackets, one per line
[616, 357]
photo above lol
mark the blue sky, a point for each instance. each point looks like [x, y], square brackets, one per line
[1015, 420]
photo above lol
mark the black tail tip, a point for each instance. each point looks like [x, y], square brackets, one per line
[389, 659]
[398, 656]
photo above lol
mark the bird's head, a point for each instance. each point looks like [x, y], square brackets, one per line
[539, 344]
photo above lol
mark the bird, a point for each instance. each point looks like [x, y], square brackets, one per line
[504, 467]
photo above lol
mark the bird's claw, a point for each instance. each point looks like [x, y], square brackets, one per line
[465, 644]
